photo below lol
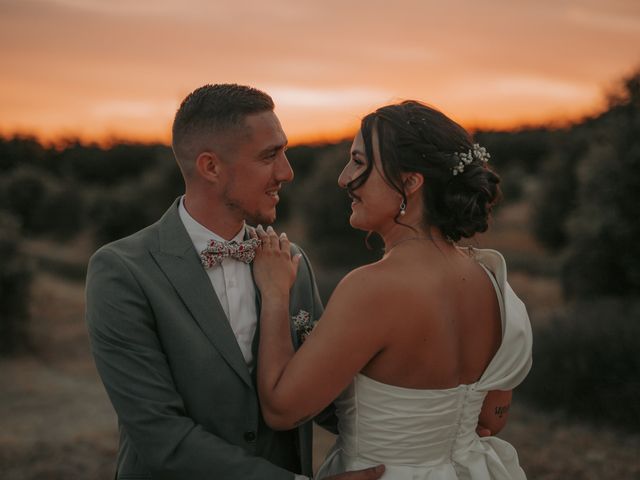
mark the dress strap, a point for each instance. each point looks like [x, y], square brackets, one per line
[499, 294]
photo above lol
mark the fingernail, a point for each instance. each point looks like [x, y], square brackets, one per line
[284, 235]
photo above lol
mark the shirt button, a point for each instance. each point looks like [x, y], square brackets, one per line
[250, 436]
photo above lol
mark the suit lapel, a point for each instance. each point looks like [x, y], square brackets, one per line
[255, 344]
[181, 264]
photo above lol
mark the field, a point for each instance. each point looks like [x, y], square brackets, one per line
[57, 422]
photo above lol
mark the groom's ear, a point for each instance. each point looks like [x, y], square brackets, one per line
[208, 166]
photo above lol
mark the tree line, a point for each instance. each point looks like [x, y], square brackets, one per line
[582, 181]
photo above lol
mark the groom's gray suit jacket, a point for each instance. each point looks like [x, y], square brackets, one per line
[186, 402]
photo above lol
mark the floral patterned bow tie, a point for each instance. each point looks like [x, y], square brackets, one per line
[216, 251]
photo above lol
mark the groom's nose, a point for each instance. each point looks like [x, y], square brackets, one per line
[283, 172]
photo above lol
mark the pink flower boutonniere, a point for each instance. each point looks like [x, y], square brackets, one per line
[303, 324]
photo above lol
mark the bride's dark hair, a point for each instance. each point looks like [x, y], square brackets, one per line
[413, 137]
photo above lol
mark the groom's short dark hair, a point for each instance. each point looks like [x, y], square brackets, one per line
[211, 110]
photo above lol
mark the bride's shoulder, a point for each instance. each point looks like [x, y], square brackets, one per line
[363, 295]
[371, 281]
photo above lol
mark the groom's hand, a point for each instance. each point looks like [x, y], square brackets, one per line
[369, 474]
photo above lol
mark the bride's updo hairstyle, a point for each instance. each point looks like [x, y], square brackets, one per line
[459, 188]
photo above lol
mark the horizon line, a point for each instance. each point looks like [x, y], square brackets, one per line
[108, 140]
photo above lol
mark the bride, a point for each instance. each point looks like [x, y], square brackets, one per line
[415, 350]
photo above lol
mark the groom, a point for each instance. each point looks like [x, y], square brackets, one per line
[172, 316]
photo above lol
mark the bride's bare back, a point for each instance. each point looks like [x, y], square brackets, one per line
[444, 326]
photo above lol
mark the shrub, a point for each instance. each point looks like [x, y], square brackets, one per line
[62, 215]
[15, 281]
[43, 204]
[304, 160]
[554, 201]
[586, 363]
[113, 214]
[512, 184]
[23, 194]
[525, 149]
[91, 164]
[603, 256]
[119, 211]
[20, 151]
[326, 209]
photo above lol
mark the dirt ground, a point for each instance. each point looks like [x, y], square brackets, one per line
[56, 421]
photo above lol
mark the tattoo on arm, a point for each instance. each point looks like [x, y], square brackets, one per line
[501, 410]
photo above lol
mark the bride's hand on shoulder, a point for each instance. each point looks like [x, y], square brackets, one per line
[274, 269]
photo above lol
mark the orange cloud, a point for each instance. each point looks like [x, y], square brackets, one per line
[99, 69]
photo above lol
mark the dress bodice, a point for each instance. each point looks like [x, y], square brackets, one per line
[431, 434]
[386, 424]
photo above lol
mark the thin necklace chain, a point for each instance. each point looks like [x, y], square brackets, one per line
[387, 250]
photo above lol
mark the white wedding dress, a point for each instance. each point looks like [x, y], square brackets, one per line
[430, 434]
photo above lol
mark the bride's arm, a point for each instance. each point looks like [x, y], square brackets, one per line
[294, 386]
[495, 412]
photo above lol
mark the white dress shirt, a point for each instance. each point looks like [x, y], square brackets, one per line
[232, 281]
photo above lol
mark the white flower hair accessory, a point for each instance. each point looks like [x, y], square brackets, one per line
[303, 324]
[465, 158]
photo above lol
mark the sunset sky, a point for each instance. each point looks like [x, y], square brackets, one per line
[99, 69]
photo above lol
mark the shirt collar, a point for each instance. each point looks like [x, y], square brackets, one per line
[199, 234]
